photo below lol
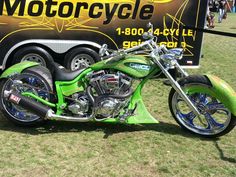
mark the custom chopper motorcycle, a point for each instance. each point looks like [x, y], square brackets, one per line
[105, 91]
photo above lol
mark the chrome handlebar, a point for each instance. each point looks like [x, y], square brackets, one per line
[150, 45]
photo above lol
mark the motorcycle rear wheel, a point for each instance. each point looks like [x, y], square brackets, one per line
[216, 119]
[36, 80]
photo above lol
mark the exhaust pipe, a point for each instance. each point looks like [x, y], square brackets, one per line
[28, 104]
[52, 116]
[41, 110]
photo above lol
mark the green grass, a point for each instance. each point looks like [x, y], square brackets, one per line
[77, 149]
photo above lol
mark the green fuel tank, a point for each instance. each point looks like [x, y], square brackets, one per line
[132, 65]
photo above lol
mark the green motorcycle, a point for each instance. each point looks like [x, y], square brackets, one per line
[104, 92]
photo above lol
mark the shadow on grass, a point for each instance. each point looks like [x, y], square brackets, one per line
[108, 129]
[222, 156]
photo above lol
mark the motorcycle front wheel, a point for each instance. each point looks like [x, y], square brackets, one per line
[215, 120]
[36, 80]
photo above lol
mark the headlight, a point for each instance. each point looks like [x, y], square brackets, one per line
[169, 59]
[178, 52]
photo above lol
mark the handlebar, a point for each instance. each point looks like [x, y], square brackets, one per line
[150, 44]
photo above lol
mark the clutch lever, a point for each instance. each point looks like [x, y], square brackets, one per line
[113, 54]
[116, 58]
[106, 57]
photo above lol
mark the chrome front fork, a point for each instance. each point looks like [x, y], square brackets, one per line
[177, 87]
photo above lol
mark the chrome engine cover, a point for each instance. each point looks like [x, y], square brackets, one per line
[110, 83]
[80, 106]
[106, 85]
[108, 107]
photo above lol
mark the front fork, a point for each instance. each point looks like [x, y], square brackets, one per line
[177, 87]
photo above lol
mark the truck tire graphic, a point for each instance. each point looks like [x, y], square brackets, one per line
[33, 53]
[80, 57]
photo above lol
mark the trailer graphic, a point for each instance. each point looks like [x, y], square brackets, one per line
[62, 9]
[71, 32]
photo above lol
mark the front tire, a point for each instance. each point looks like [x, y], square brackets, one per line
[36, 80]
[216, 119]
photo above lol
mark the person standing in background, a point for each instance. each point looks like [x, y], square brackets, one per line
[222, 4]
[210, 15]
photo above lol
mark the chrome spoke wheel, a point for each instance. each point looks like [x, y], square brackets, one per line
[25, 82]
[214, 116]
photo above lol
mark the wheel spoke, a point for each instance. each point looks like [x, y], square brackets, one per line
[179, 99]
[212, 124]
[191, 115]
[42, 94]
[217, 106]
[188, 117]
[214, 106]
[202, 98]
[31, 81]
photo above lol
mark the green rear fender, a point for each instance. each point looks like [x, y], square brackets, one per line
[220, 90]
[17, 68]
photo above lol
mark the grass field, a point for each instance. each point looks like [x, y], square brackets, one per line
[76, 149]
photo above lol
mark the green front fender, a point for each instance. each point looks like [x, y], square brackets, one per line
[221, 90]
[17, 68]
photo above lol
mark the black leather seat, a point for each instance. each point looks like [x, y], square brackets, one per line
[62, 74]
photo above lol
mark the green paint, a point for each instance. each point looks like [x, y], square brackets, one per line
[61, 100]
[126, 65]
[142, 116]
[17, 68]
[137, 93]
[70, 87]
[67, 88]
[224, 92]
[29, 94]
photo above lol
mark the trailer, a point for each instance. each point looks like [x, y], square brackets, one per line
[71, 32]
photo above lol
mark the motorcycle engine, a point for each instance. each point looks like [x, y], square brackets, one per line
[79, 105]
[112, 91]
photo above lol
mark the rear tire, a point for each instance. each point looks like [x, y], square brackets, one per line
[39, 77]
[214, 125]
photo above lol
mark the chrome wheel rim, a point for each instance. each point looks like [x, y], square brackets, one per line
[28, 80]
[81, 61]
[34, 57]
[215, 117]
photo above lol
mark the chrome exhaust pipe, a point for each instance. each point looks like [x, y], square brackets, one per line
[40, 109]
[52, 116]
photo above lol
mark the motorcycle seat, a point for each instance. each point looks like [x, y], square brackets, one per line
[62, 74]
